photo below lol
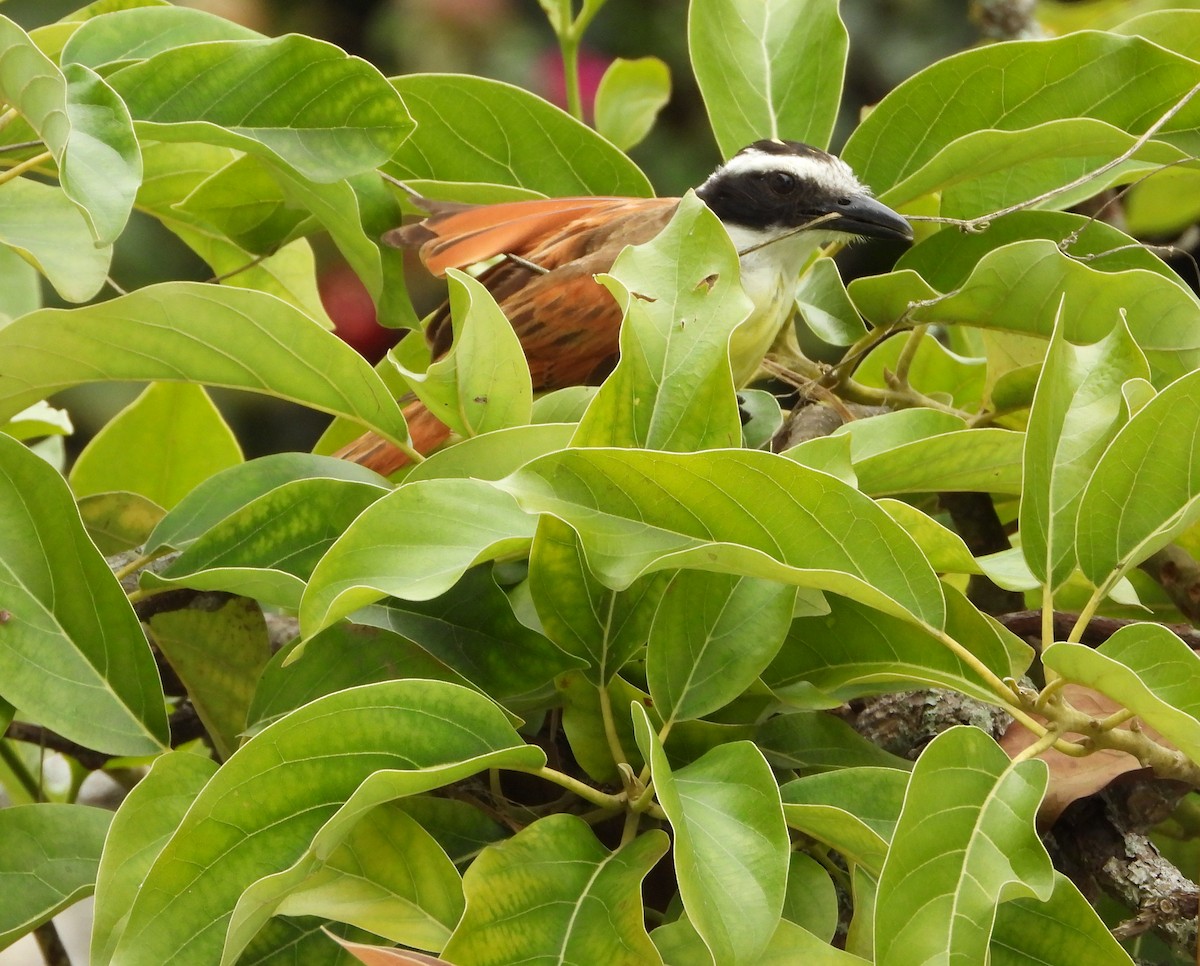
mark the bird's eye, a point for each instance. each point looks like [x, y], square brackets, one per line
[781, 182]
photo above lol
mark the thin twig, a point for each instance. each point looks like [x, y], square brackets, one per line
[54, 953]
[19, 169]
[812, 223]
[225, 276]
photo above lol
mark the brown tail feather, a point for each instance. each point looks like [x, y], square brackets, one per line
[376, 453]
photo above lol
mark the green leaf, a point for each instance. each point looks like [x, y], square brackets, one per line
[947, 258]
[1064, 928]
[792, 943]
[461, 829]
[340, 657]
[1146, 668]
[244, 202]
[1015, 86]
[1164, 204]
[383, 873]
[307, 940]
[298, 100]
[174, 172]
[811, 900]
[181, 440]
[494, 455]
[218, 653]
[415, 543]
[224, 494]
[583, 722]
[712, 636]
[814, 742]
[83, 123]
[680, 945]
[471, 628]
[356, 212]
[144, 822]
[267, 548]
[1143, 490]
[117, 522]
[182, 330]
[856, 650]
[67, 612]
[563, 405]
[672, 388]
[852, 810]
[1077, 410]
[988, 170]
[53, 36]
[965, 842]
[638, 511]
[730, 842]
[1018, 288]
[860, 934]
[465, 131]
[260, 812]
[553, 893]
[1177, 30]
[769, 69]
[629, 97]
[600, 627]
[825, 307]
[49, 862]
[987, 459]
[100, 166]
[49, 232]
[762, 417]
[142, 32]
[482, 383]
[20, 290]
[943, 548]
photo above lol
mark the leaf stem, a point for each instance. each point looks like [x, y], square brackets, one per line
[19, 169]
[1044, 743]
[907, 354]
[138, 594]
[570, 58]
[630, 828]
[8, 117]
[570, 29]
[582, 789]
[136, 564]
[1085, 615]
[1116, 719]
[12, 761]
[615, 747]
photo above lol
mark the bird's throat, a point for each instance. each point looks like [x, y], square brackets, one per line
[769, 274]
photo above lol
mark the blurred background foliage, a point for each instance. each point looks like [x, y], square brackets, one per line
[510, 40]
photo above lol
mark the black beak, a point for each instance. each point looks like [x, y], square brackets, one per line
[863, 215]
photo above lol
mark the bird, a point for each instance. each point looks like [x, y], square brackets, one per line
[779, 201]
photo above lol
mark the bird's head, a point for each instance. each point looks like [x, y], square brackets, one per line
[773, 188]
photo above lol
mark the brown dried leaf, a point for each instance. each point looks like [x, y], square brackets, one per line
[1075, 778]
[386, 956]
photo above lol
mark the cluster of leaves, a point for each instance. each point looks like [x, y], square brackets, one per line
[625, 567]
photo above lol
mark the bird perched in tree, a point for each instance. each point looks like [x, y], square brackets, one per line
[779, 201]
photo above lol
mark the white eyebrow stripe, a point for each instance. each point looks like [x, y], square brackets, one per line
[831, 172]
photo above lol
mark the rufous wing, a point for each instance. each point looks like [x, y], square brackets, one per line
[567, 323]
